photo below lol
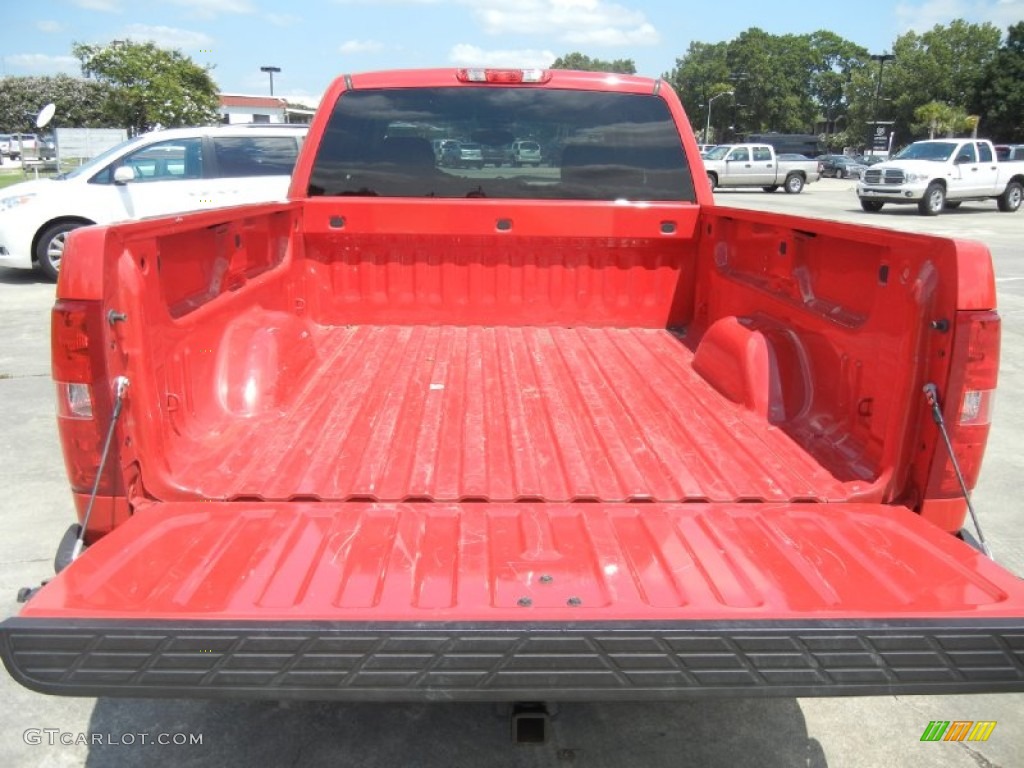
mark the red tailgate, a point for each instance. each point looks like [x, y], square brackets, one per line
[354, 600]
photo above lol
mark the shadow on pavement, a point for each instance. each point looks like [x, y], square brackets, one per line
[738, 732]
[22, 277]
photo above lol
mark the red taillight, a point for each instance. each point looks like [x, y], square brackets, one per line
[69, 337]
[504, 75]
[83, 396]
[967, 402]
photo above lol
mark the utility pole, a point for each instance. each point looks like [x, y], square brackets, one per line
[270, 71]
[707, 127]
[881, 58]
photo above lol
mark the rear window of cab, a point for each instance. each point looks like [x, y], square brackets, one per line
[595, 145]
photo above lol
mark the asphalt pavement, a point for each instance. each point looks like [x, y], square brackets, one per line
[35, 506]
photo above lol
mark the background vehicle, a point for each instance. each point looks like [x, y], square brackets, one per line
[471, 155]
[808, 144]
[573, 434]
[496, 155]
[1010, 152]
[47, 149]
[450, 153]
[163, 172]
[21, 142]
[526, 152]
[840, 166]
[941, 174]
[756, 165]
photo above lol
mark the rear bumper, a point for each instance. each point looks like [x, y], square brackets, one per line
[512, 661]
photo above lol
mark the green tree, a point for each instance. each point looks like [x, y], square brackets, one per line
[835, 60]
[151, 85]
[576, 60]
[937, 117]
[999, 93]
[943, 64]
[785, 83]
[701, 73]
[773, 81]
[79, 102]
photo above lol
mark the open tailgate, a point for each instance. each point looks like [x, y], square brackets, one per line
[521, 601]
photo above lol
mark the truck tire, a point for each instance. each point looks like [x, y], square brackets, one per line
[713, 181]
[934, 200]
[50, 247]
[771, 188]
[1011, 198]
[871, 206]
[794, 184]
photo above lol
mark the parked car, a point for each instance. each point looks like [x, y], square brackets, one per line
[47, 149]
[471, 155]
[448, 153]
[496, 155]
[5, 145]
[1009, 152]
[526, 153]
[21, 142]
[155, 174]
[840, 166]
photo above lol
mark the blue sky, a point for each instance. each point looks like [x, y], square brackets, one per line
[314, 41]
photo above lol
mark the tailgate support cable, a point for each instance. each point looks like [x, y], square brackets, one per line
[931, 394]
[120, 388]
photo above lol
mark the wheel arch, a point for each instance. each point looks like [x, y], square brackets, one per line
[83, 220]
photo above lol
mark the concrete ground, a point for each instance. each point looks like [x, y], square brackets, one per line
[871, 731]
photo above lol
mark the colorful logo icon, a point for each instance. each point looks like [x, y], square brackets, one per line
[958, 730]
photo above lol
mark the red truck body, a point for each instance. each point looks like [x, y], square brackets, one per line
[386, 447]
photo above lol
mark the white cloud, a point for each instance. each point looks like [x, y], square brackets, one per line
[104, 6]
[589, 22]
[43, 64]
[465, 55]
[49, 26]
[594, 22]
[361, 46]
[168, 37]
[282, 19]
[211, 9]
[922, 16]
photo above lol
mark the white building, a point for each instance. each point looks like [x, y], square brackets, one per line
[237, 108]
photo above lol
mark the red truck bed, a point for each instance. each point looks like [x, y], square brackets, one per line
[443, 413]
[568, 434]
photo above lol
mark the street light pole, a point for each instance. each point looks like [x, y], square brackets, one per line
[881, 58]
[270, 71]
[707, 126]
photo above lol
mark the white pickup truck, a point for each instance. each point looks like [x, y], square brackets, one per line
[756, 165]
[942, 173]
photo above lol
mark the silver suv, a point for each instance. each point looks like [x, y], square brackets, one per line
[526, 153]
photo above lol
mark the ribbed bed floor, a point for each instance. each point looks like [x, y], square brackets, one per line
[508, 414]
